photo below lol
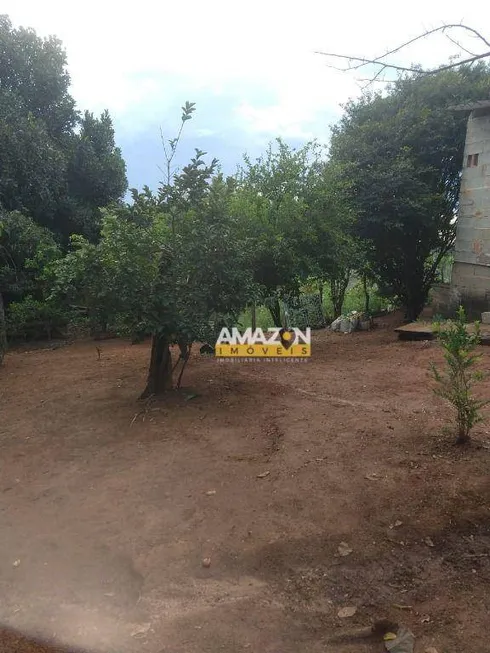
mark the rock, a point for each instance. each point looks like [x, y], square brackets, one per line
[404, 641]
[431, 649]
[346, 325]
[210, 493]
[344, 549]
[348, 611]
[140, 630]
[263, 475]
[206, 563]
[485, 318]
[429, 542]
[335, 326]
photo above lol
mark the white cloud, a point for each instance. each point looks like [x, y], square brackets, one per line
[141, 60]
[204, 132]
[279, 119]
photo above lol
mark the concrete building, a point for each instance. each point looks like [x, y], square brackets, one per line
[470, 279]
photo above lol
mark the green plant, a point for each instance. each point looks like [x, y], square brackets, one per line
[355, 300]
[173, 265]
[456, 382]
[399, 153]
[31, 319]
[57, 165]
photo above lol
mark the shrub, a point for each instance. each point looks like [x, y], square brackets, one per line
[456, 382]
[31, 319]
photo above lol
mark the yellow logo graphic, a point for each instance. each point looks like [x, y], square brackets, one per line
[275, 343]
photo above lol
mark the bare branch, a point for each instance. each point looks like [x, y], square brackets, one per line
[356, 63]
[375, 78]
[459, 45]
[365, 62]
[458, 63]
[469, 29]
[441, 28]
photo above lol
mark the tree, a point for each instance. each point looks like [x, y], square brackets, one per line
[108, 283]
[26, 251]
[203, 281]
[325, 234]
[32, 167]
[272, 198]
[33, 70]
[96, 174]
[55, 166]
[171, 264]
[400, 155]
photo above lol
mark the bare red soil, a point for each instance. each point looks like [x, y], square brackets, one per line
[108, 506]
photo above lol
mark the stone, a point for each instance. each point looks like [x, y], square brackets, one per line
[348, 611]
[335, 326]
[485, 318]
[344, 549]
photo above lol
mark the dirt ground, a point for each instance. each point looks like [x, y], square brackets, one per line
[108, 506]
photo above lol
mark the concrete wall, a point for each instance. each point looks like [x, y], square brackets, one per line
[443, 301]
[470, 279]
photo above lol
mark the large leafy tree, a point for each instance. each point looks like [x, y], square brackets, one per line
[400, 155]
[54, 165]
[325, 235]
[274, 197]
[172, 264]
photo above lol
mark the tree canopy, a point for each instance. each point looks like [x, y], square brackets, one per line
[400, 155]
[55, 165]
[292, 213]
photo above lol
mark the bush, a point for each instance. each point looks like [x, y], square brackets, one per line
[306, 311]
[456, 382]
[355, 300]
[31, 319]
[262, 315]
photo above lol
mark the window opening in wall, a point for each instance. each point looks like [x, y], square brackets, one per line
[472, 161]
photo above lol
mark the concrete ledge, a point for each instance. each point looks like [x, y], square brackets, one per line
[424, 331]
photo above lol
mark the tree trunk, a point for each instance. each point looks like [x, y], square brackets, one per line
[415, 305]
[254, 317]
[337, 303]
[463, 437]
[185, 352]
[160, 370]
[366, 293]
[3, 330]
[320, 293]
[275, 310]
[338, 287]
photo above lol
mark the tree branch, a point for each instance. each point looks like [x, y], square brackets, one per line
[450, 38]
[364, 62]
[355, 62]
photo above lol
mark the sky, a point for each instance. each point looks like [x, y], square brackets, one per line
[250, 67]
